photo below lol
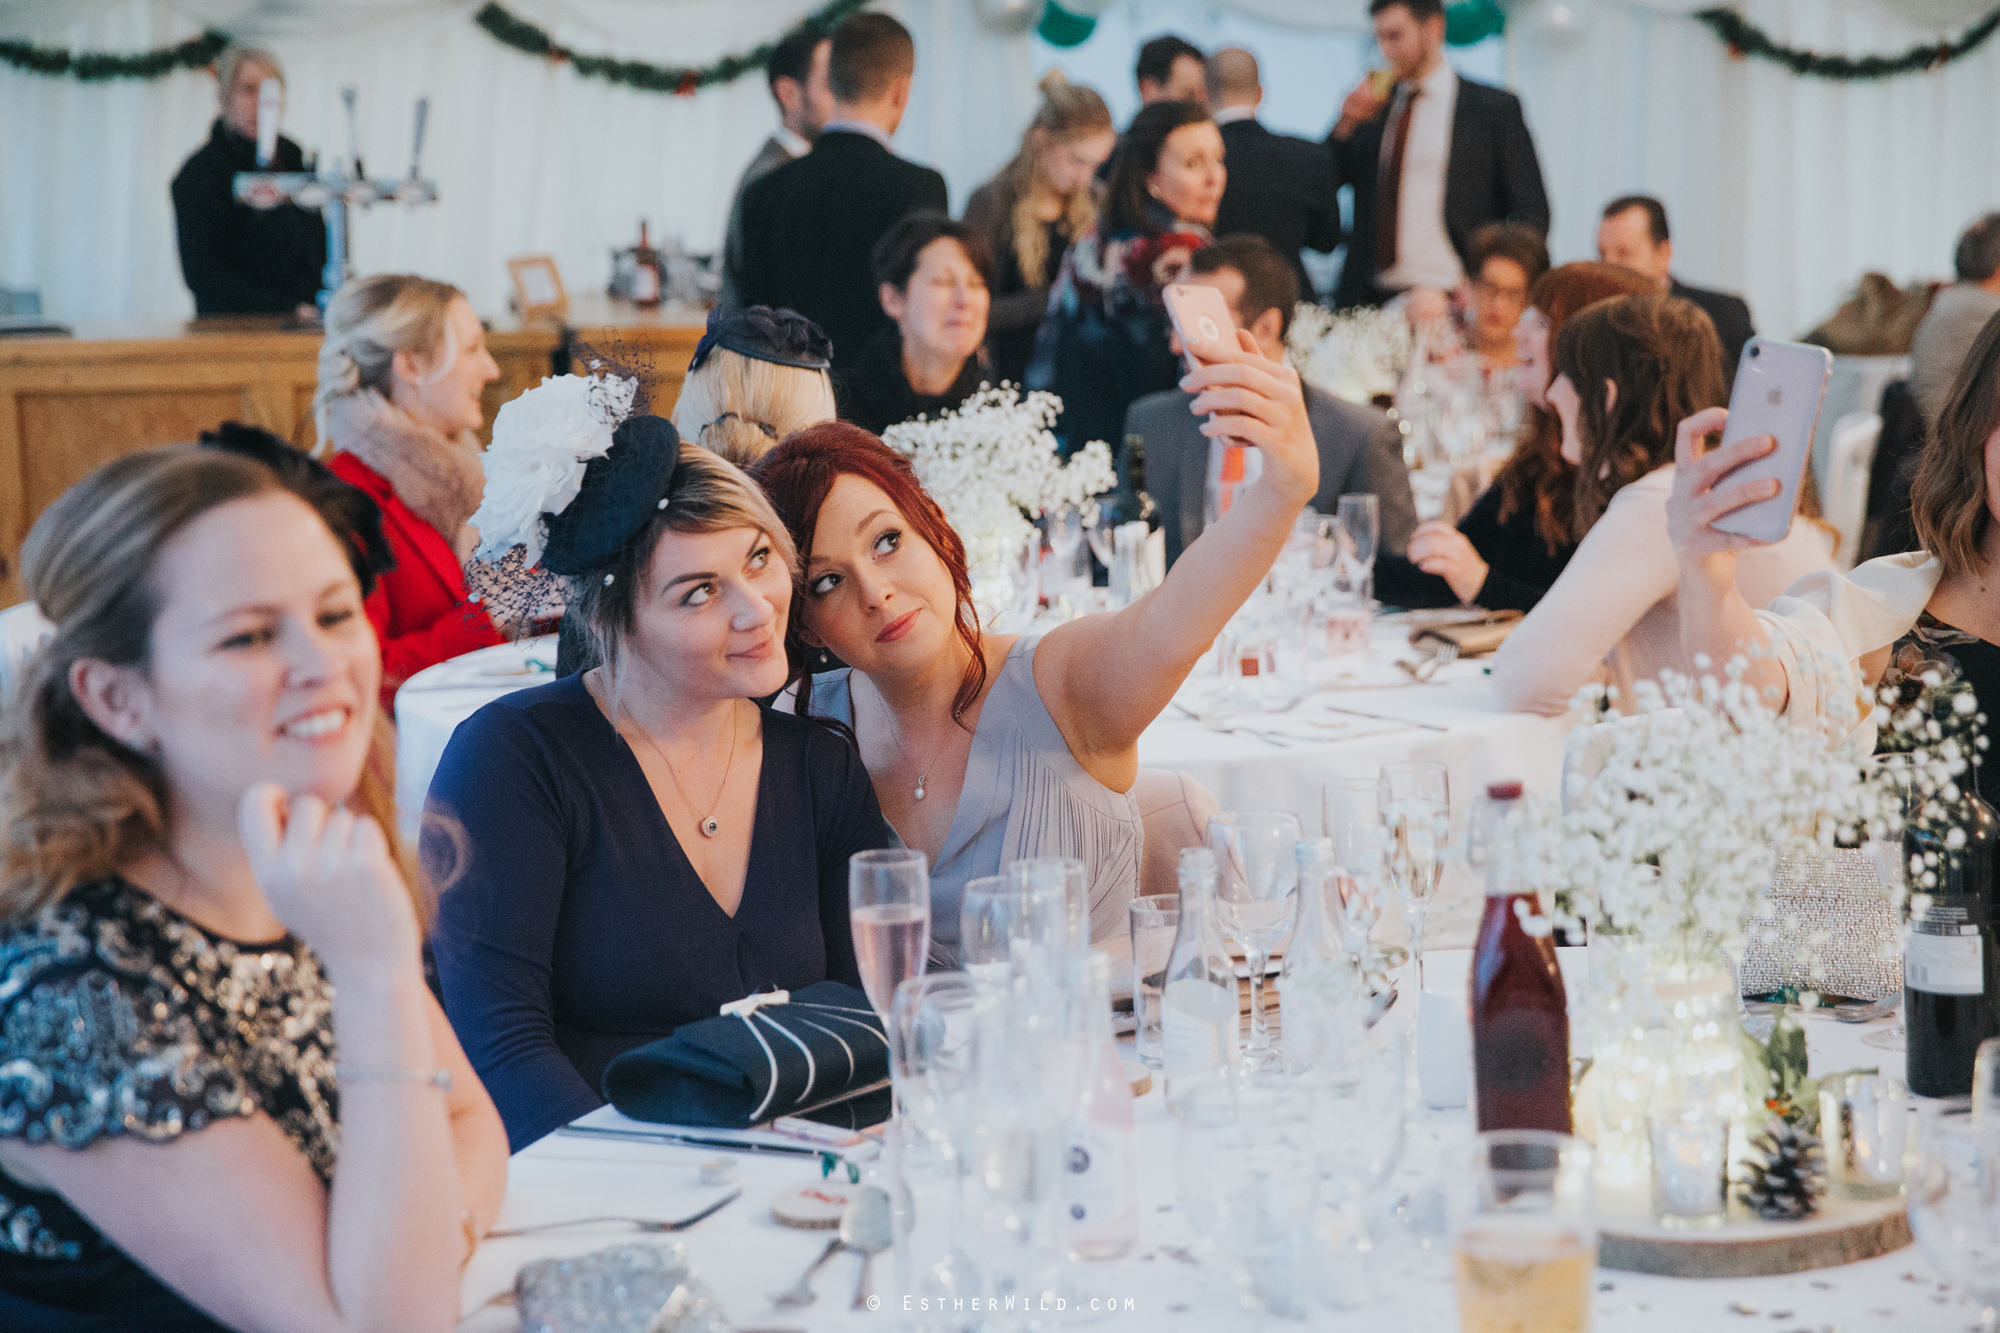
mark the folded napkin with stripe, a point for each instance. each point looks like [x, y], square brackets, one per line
[820, 1053]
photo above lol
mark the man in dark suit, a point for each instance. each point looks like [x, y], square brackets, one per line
[810, 226]
[1432, 160]
[797, 77]
[239, 260]
[1280, 188]
[1360, 449]
[1633, 234]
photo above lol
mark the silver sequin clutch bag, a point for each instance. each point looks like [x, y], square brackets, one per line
[1831, 928]
[622, 1289]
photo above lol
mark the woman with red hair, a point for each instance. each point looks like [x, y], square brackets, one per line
[986, 748]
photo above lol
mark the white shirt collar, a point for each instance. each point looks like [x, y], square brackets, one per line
[794, 144]
[873, 131]
[1229, 115]
[1439, 81]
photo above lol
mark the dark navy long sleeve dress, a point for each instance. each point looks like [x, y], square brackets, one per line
[572, 928]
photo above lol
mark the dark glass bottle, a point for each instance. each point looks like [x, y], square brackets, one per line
[1951, 956]
[1520, 1015]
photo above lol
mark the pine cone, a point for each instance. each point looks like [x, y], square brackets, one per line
[1784, 1176]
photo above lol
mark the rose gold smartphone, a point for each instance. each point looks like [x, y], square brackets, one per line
[1202, 319]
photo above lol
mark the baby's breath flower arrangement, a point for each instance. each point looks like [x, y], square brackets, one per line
[1358, 354]
[1675, 818]
[991, 465]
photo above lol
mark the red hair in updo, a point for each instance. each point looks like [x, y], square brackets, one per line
[800, 472]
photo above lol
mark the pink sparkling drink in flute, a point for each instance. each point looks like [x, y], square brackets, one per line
[889, 900]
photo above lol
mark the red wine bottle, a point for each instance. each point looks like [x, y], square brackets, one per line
[1520, 1013]
[1951, 955]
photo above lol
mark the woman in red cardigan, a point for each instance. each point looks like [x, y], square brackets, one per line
[398, 407]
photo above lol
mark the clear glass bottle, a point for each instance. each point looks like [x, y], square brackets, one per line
[1320, 982]
[1200, 1017]
[1100, 1155]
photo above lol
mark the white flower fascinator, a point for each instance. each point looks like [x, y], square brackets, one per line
[542, 442]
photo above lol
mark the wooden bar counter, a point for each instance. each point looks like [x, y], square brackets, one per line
[68, 404]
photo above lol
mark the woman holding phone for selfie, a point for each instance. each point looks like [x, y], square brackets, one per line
[1832, 635]
[985, 748]
[1628, 371]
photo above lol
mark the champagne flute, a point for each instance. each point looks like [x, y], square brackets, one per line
[1255, 890]
[889, 898]
[1359, 521]
[1416, 806]
[1352, 809]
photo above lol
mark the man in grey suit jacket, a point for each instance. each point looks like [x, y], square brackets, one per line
[1360, 449]
[797, 75]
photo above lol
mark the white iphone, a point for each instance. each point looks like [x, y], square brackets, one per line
[1778, 391]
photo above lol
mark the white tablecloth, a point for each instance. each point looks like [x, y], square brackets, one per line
[1244, 772]
[742, 1253]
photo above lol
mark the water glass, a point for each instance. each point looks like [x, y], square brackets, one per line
[1864, 1123]
[1064, 875]
[999, 918]
[1986, 1083]
[1524, 1246]
[889, 897]
[1954, 1202]
[933, 1027]
[1358, 1111]
[1243, 1155]
[1155, 921]
[1256, 890]
[1690, 1165]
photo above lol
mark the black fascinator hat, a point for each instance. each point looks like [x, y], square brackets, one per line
[350, 511]
[782, 337]
[621, 491]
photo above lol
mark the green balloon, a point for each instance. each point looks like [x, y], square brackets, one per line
[1472, 21]
[1059, 27]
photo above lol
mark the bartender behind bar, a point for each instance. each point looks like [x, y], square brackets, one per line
[237, 259]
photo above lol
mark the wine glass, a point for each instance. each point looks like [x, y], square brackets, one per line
[1062, 875]
[889, 898]
[1352, 809]
[1953, 1187]
[1416, 807]
[1255, 891]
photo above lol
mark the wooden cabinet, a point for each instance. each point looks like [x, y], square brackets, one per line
[70, 404]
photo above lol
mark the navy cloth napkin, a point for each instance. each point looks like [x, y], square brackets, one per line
[735, 1071]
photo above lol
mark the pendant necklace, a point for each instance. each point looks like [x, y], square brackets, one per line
[896, 735]
[709, 824]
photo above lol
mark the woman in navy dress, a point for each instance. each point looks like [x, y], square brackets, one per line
[635, 845]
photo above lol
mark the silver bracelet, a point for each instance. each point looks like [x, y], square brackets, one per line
[439, 1078]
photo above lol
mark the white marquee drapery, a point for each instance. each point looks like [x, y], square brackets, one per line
[1783, 188]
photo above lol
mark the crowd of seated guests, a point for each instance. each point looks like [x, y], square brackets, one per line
[195, 773]
[1518, 536]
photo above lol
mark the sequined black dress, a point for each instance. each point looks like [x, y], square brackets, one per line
[119, 1016]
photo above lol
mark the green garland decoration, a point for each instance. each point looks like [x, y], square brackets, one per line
[681, 80]
[1746, 39]
[95, 67]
